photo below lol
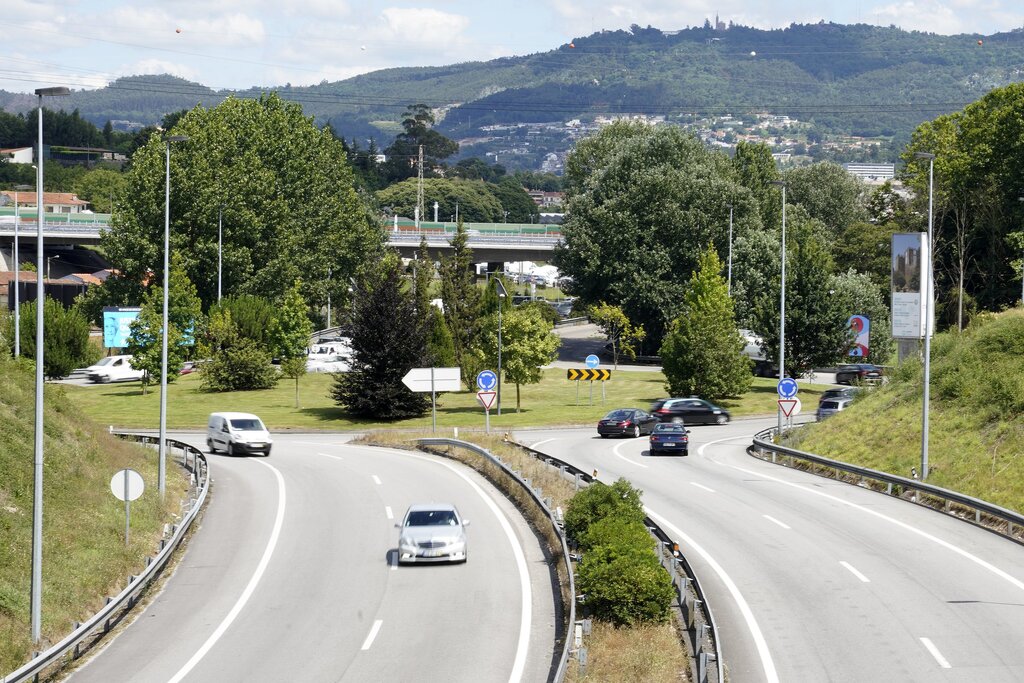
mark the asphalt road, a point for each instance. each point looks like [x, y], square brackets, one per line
[815, 580]
[291, 576]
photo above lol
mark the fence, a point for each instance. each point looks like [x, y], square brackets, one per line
[194, 462]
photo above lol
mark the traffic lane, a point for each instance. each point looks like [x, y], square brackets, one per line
[227, 544]
[705, 485]
[492, 618]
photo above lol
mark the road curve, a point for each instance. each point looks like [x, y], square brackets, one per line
[816, 580]
[291, 577]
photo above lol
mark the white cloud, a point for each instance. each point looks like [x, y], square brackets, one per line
[419, 25]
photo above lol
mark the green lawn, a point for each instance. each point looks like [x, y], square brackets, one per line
[551, 402]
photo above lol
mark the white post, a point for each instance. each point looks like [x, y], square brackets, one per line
[928, 275]
[17, 281]
[220, 247]
[730, 250]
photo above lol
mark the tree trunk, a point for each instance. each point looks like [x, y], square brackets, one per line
[297, 392]
[517, 397]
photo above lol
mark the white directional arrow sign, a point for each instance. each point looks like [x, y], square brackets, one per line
[433, 379]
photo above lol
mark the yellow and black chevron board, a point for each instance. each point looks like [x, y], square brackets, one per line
[587, 373]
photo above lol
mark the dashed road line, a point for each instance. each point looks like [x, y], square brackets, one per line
[854, 571]
[930, 646]
[702, 486]
[775, 521]
[373, 634]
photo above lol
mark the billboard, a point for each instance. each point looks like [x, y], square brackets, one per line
[117, 322]
[860, 326]
[910, 283]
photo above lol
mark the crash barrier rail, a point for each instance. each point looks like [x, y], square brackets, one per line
[706, 655]
[545, 507]
[973, 510]
[568, 322]
[194, 461]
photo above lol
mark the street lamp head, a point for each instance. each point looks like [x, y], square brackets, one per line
[924, 155]
[176, 138]
[52, 92]
[779, 183]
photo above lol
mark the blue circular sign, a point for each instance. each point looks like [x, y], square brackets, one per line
[787, 387]
[486, 380]
[593, 361]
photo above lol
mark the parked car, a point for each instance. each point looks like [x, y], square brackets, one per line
[432, 532]
[831, 406]
[626, 422]
[237, 433]
[188, 367]
[862, 373]
[691, 410]
[670, 437]
[113, 369]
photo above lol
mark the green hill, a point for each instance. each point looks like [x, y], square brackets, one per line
[84, 554]
[976, 443]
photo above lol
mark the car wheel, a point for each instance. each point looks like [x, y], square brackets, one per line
[722, 419]
[231, 449]
[636, 431]
[266, 453]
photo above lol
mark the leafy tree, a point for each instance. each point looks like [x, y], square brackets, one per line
[859, 294]
[146, 345]
[475, 168]
[885, 204]
[617, 329]
[867, 248]
[289, 205]
[417, 125]
[253, 316]
[184, 309]
[703, 352]
[101, 187]
[291, 331]
[527, 344]
[755, 263]
[65, 340]
[514, 201]
[828, 193]
[388, 339]
[237, 363]
[755, 170]
[423, 278]
[460, 298]
[476, 202]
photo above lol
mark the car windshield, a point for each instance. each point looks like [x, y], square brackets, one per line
[247, 424]
[432, 518]
[677, 428]
[619, 415]
[830, 405]
[106, 361]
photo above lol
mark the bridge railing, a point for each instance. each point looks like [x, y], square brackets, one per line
[194, 461]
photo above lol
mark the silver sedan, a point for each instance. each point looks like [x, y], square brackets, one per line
[432, 532]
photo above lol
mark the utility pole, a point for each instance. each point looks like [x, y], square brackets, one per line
[419, 187]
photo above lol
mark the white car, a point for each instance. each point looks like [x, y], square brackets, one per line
[236, 433]
[113, 369]
[432, 532]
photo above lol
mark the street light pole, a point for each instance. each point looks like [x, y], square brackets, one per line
[220, 246]
[782, 298]
[37, 496]
[927, 318]
[502, 294]
[1021, 199]
[162, 475]
[730, 248]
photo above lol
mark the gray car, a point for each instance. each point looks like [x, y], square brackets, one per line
[831, 406]
[432, 532]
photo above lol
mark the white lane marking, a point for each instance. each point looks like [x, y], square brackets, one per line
[376, 480]
[388, 512]
[935, 653]
[526, 604]
[854, 571]
[775, 521]
[539, 443]
[868, 511]
[748, 616]
[616, 451]
[329, 455]
[249, 588]
[394, 561]
[372, 634]
[702, 486]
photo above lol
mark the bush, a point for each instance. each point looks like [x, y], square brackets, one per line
[616, 530]
[66, 337]
[240, 367]
[598, 501]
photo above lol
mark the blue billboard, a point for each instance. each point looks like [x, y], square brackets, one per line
[117, 321]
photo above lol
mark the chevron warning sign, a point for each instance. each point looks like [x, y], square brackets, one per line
[588, 373]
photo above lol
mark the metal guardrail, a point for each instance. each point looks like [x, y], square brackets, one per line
[973, 510]
[193, 460]
[694, 609]
[564, 657]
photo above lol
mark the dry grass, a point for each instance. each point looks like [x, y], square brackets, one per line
[641, 654]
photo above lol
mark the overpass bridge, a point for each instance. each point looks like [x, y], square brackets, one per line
[491, 242]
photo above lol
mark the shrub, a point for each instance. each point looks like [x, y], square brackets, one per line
[624, 584]
[618, 531]
[598, 501]
[239, 367]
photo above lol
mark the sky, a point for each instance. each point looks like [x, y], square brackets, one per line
[237, 44]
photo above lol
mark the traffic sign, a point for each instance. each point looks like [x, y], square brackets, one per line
[486, 380]
[787, 387]
[580, 373]
[790, 406]
[592, 361]
[486, 398]
[127, 485]
[433, 379]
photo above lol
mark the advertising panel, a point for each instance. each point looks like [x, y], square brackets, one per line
[910, 270]
[861, 328]
[117, 322]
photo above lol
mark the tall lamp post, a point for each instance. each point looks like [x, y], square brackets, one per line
[220, 246]
[502, 294]
[1021, 199]
[928, 296]
[782, 297]
[161, 479]
[730, 248]
[37, 496]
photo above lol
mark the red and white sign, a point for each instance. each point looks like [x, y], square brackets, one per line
[790, 406]
[486, 398]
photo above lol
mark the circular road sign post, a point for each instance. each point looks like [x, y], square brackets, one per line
[486, 380]
[127, 485]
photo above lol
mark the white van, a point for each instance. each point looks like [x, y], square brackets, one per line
[237, 433]
[113, 369]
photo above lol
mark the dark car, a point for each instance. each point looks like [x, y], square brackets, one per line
[858, 373]
[626, 422]
[689, 411]
[669, 437]
[841, 392]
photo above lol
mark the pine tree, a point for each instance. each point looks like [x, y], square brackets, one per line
[460, 298]
[387, 337]
[702, 353]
